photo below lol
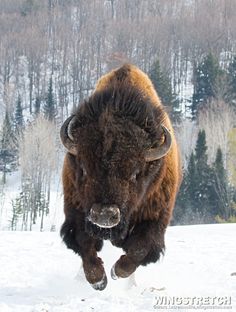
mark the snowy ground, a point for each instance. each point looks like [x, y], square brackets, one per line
[38, 274]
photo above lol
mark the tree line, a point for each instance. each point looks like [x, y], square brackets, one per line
[32, 148]
[75, 42]
[53, 51]
[208, 190]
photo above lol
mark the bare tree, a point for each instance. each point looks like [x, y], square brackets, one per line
[38, 160]
[217, 119]
[186, 132]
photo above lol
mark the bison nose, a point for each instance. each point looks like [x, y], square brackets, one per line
[104, 216]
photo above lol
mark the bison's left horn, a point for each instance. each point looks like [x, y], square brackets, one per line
[160, 151]
[66, 135]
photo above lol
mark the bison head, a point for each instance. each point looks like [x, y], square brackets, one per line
[117, 147]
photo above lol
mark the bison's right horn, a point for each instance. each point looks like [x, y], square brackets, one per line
[159, 152]
[66, 135]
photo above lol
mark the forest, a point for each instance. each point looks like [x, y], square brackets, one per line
[53, 51]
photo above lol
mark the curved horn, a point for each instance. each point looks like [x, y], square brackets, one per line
[66, 135]
[160, 151]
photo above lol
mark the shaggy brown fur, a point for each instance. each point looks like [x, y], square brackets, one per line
[113, 129]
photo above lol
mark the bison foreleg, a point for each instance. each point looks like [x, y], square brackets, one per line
[94, 270]
[144, 245]
[76, 239]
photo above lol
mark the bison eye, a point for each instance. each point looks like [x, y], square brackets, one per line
[83, 171]
[135, 175]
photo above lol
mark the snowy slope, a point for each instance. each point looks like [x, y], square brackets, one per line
[38, 274]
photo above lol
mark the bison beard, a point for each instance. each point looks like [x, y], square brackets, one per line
[120, 176]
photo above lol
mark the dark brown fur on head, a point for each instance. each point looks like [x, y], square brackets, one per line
[112, 130]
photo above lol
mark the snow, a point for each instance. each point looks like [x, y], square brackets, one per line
[38, 273]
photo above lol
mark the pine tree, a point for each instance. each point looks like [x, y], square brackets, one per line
[162, 84]
[203, 180]
[19, 119]
[219, 166]
[37, 106]
[6, 139]
[49, 107]
[184, 212]
[201, 149]
[7, 147]
[221, 197]
[206, 77]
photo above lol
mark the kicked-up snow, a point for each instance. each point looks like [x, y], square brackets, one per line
[198, 271]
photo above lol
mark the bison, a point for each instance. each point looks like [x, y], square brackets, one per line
[121, 174]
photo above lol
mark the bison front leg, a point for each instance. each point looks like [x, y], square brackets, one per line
[144, 245]
[94, 270]
[78, 240]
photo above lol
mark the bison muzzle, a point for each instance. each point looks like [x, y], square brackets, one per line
[104, 216]
[121, 174]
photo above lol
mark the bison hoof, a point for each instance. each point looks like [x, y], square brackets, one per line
[123, 268]
[113, 273]
[101, 285]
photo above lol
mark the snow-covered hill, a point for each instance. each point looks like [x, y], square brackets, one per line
[38, 274]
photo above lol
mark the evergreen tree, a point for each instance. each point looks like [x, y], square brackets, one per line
[49, 107]
[19, 119]
[162, 84]
[206, 77]
[219, 166]
[184, 210]
[6, 138]
[37, 106]
[203, 180]
[201, 149]
[221, 198]
[8, 153]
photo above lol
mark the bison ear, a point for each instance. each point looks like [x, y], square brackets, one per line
[66, 135]
[160, 151]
